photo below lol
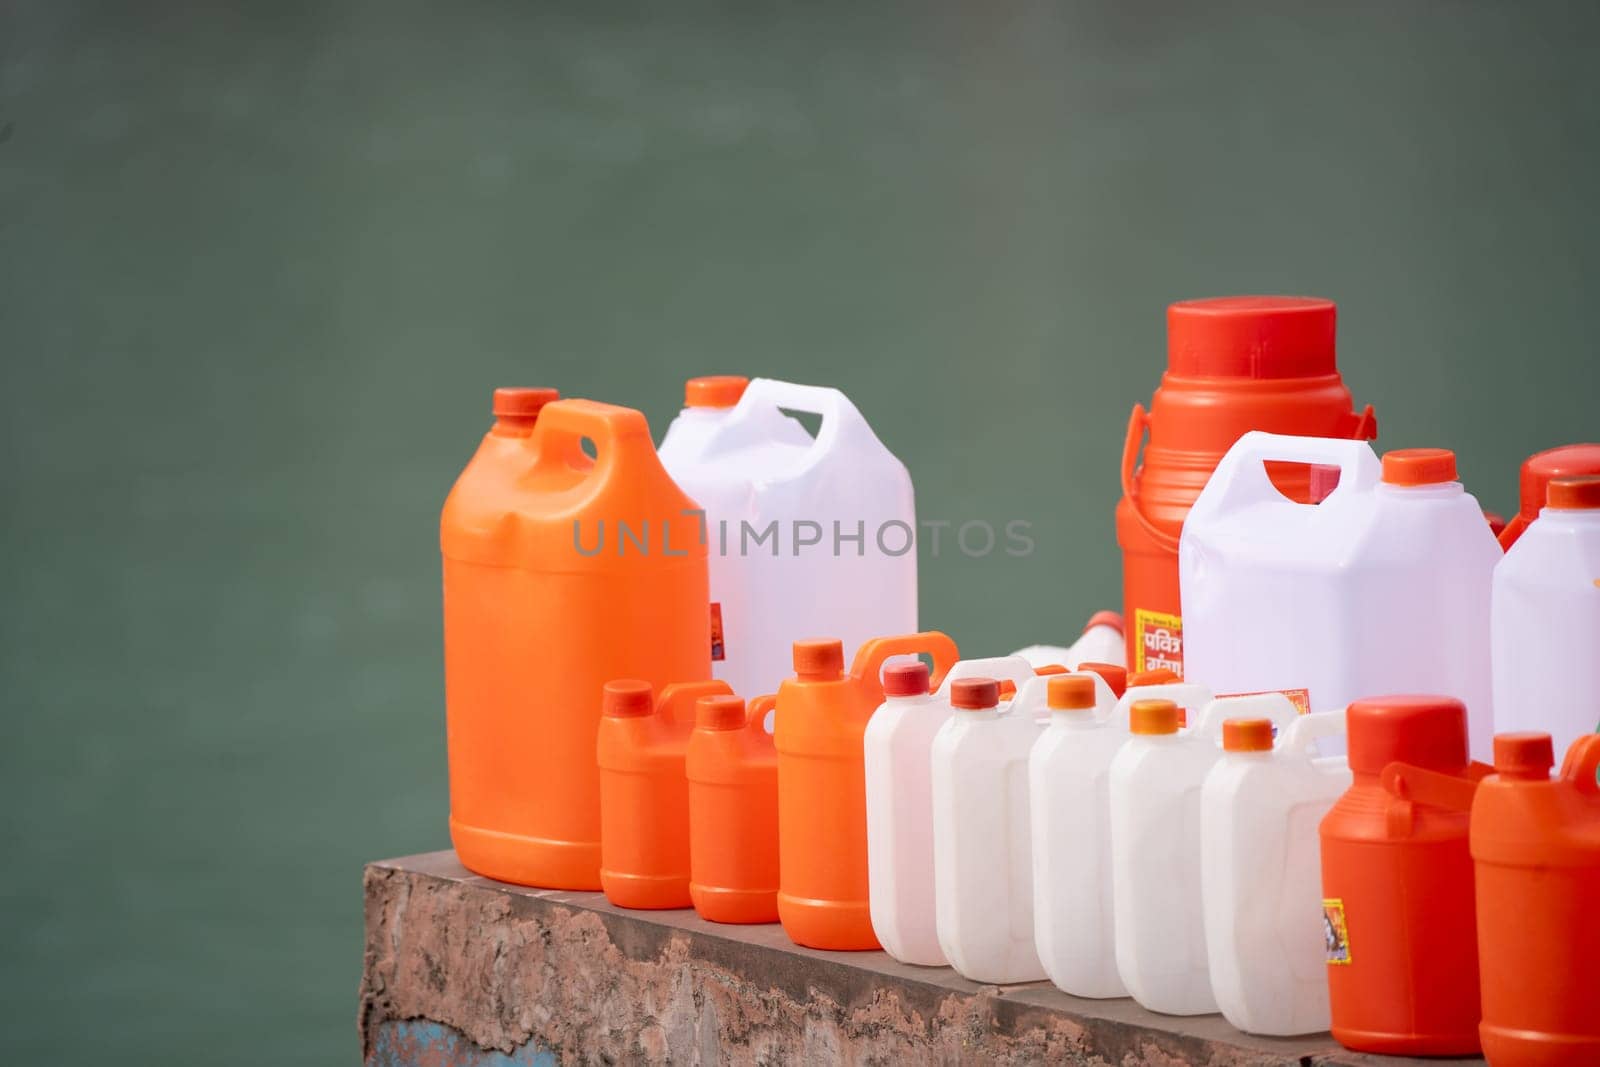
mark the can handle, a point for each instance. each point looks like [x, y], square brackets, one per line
[873, 654]
[1241, 477]
[1183, 694]
[617, 433]
[1310, 727]
[839, 416]
[682, 697]
[1013, 669]
[1409, 785]
[1138, 423]
[1274, 706]
[755, 715]
[1582, 765]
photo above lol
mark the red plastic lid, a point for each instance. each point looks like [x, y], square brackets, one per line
[1538, 471]
[1574, 494]
[1112, 619]
[521, 402]
[714, 391]
[819, 659]
[1426, 731]
[1251, 337]
[1070, 692]
[1419, 466]
[1116, 676]
[905, 680]
[974, 694]
[1524, 755]
[1247, 735]
[719, 713]
[626, 698]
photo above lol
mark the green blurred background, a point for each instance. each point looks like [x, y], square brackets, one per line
[260, 269]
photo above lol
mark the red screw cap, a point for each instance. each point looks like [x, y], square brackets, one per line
[975, 694]
[1427, 731]
[1251, 337]
[1523, 755]
[905, 680]
[1419, 466]
[626, 698]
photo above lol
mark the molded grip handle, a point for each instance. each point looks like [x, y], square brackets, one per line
[755, 715]
[1241, 478]
[676, 703]
[616, 432]
[1308, 728]
[1183, 694]
[1013, 669]
[871, 656]
[1582, 765]
[840, 418]
[1274, 706]
[1138, 423]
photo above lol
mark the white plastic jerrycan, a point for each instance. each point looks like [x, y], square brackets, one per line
[806, 536]
[1068, 807]
[898, 754]
[1260, 874]
[1383, 587]
[1155, 847]
[1102, 641]
[982, 843]
[1546, 619]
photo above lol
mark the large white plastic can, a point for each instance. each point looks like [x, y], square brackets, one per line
[898, 752]
[807, 537]
[1546, 619]
[1260, 875]
[1155, 785]
[982, 843]
[1383, 587]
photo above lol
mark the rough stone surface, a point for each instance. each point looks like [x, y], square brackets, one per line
[505, 966]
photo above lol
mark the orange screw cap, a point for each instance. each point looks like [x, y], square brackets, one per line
[1247, 735]
[1523, 755]
[974, 694]
[1070, 692]
[627, 697]
[1419, 466]
[1574, 494]
[1153, 717]
[714, 391]
[719, 713]
[905, 680]
[819, 659]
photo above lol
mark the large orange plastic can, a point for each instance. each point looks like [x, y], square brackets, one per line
[1234, 364]
[547, 598]
[822, 716]
[644, 797]
[1536, 845]
[1398, 915]
[1538, 471]
[732, 770]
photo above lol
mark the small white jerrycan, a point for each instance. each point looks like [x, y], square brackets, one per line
[1383, 587]
[982, 843]
[1545, 625]
[1102, 641]
[805, 536]
[1261, 876]
[898, 754]
[1155, 847]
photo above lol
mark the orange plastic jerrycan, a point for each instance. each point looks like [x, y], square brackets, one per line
[1398, 918]
[560, 574]
[822, 715]
[1234, 364]
[732, 770]
[644, 797]
[1536, 846]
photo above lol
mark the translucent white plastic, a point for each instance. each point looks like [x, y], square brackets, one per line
[1099, 643]
[1261, 879]
[807, 537]
[1546, 628]
[1155, 785]
[1069, 805]
[1378, 589]
[982, 841]
[898, 752]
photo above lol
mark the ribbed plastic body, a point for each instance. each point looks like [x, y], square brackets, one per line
[545, 600]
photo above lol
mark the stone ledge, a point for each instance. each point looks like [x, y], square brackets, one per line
[481, 968]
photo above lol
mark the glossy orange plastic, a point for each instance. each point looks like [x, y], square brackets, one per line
[1397, 882]
[545, 600]
[732, 770]
[1537, 472]
[644, 797]
[1536, 847]
[1234, 364]
[822, 714]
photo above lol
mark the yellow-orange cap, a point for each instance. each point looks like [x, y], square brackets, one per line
[818, 659]
[719, 713]
[1153, 717]
[1247, 735]
[1070, 692]
[1574, 494]
[714, 391]
[974, 694]
[1419, 466]
[627, 697]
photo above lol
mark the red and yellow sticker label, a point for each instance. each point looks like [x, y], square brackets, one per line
[1158, 641]
[1300, 698]
[1335, 933]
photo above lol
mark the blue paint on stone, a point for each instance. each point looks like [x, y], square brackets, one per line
[420, 1043]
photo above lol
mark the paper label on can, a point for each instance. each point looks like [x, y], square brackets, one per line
[718, 652]
[1335, 934]
[1300, 698]
[1160, 641]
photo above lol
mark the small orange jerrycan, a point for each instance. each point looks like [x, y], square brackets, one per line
[822, 715]
[1234, 364]
[644, 797]
[732, 770]
[1398, 917]
[560, 574]
[1536, 844]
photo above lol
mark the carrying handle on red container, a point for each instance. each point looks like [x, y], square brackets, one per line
[873, 654]
[1410, 785]
[1138, 423]
[755, 716]
[617, 433]
[1582, 765]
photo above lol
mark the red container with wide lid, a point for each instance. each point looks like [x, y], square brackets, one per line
[1398, 919]
[1536, 848]
[1234, 364]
